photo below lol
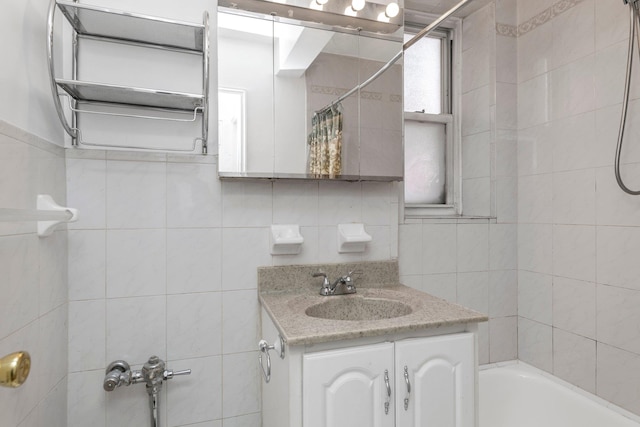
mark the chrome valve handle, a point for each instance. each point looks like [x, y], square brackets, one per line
[170, 374]
[117, 374]
[153, 373]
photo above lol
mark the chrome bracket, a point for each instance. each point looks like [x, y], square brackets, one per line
[265, 347]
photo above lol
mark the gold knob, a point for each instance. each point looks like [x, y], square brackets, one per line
[14, 369]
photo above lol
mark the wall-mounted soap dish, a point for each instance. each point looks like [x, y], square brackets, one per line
[286, 239]
[352, 238]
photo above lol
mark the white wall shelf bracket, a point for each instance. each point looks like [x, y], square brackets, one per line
[46, 203]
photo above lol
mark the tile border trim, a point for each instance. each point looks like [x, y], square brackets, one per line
[541, 18]
[506, 30]
[12, 131]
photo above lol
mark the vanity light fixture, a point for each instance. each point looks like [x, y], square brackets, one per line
[392, 10]
[321, 2]
[357, 5]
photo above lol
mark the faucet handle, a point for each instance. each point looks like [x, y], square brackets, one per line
[168, 374]
[354, 272]
[325, 282]
[347, 277]
[347, 280]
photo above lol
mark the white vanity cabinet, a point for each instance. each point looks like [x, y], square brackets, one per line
[434, 384]
[436, 381]
[344, 383]
[348, 387]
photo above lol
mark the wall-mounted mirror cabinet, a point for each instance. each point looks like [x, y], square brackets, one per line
[280, 66]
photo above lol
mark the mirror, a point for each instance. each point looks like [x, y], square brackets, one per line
[276, 74]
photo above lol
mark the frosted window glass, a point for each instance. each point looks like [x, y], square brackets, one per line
[424, 163]
[423, 76]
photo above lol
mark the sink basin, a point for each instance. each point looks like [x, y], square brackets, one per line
[358, 308]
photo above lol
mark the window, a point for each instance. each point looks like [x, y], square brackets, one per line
[429, 134]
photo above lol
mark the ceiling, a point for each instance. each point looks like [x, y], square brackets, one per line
[439, 7]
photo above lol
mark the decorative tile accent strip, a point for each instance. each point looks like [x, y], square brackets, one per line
[375, 96]
[328, 90]
[533, 23]
[547, 15]
[506, 30]
[337, 91]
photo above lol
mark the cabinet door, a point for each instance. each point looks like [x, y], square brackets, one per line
[441, 374]
[347, 387]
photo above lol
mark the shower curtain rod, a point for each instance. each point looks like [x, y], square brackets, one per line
[426, 30]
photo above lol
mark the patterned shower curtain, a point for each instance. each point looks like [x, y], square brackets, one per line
[325, 142]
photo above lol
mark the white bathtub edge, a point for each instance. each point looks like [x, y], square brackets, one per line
[532, 369]
[499, 364]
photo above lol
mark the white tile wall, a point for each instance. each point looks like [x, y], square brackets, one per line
[574, 306]
[476, 117]
[535, 295]
[476, 156]
[182, 283]
[528, 9]
[537, 108]
[438, 248]
[573, 33]
[136, 195]
[537, 61]
[571, 88]
[609, 20]
[475, 262]
[535, 343]
[574, 359]
[575, 143]
[617, 376]
[577, 235]
[165, 250]
[33, 307]
[503, 289]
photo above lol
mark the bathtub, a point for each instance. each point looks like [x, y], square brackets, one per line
[518, 395]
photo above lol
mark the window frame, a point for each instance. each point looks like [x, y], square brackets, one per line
[450, 117]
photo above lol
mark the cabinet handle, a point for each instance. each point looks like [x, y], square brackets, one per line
[406, 380]
[386, 383]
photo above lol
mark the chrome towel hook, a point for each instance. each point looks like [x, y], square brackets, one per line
[264, 348]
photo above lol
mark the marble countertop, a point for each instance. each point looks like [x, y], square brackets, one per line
[287, 310]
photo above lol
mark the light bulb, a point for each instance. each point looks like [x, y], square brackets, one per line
[350, 12]
[382, 17]
[391, 10]
[357, 5]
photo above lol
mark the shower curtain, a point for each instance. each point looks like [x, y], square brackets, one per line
[325, 142]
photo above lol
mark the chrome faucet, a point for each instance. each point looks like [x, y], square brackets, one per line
[153, 374]
[343, 285]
